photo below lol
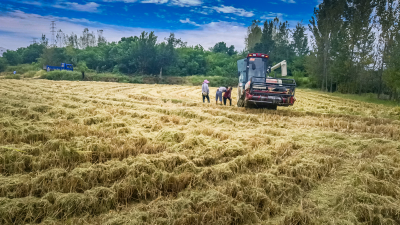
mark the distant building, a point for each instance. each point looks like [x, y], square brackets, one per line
[2, 50]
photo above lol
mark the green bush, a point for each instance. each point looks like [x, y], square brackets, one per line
[303, 82]
[62, 75]
[13, 76]
[29, 74]
[23, 68]
[3, 64]
[215, 81]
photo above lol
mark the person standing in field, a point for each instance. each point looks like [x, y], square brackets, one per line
[218, 95]
[205, 91]
[227, 95]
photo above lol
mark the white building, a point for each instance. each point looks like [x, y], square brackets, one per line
[2, 50]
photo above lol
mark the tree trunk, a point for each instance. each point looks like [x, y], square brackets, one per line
[160, 73]
[325, 66]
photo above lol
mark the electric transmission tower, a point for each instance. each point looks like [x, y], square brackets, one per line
[53, 32]
[34, 40]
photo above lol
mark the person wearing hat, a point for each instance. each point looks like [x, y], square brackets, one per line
[205, 91]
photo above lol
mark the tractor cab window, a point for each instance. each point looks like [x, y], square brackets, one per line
[256, 68]
[242, 70]
[242, 77]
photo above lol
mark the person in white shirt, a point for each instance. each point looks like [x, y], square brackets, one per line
[218, 95]
[205, 91]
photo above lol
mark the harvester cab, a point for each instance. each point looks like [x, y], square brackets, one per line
[256, 88]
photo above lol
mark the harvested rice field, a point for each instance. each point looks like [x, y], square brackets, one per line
[112, 153]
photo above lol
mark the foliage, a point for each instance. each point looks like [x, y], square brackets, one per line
[3, 64]
[349, 55]
[62, 75]
[23, 68]
[254, 34]
[13, 76]
[221, 47]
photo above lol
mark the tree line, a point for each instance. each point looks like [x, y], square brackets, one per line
[143, 54]
[356, 46]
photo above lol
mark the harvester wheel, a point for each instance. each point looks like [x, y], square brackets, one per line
[240, 102]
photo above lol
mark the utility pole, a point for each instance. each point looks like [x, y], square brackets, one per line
[53, 32]
[34, 40]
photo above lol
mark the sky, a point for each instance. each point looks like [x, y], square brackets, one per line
[203, 22]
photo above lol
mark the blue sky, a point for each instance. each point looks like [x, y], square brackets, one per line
[204, 22]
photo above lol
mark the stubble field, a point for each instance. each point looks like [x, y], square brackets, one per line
[111, 153]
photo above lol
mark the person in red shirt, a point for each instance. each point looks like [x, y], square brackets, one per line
[227, 95]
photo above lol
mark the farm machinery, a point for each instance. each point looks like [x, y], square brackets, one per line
[257, 89]
[63, 66]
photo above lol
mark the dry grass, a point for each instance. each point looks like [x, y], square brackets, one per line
[110, 153]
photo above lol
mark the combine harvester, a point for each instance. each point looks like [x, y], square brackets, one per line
[257, 89]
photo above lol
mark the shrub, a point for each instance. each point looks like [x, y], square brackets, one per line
[215, 81]
[23, 68]
[29, 74]
[62, 75]
[13, 76]
[3, 64]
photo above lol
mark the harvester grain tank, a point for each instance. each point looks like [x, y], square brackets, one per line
[256, 88]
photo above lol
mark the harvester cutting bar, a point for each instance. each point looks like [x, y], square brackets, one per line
[280, 92]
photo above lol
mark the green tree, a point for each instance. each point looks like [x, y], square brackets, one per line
[12, 57]
[300, 40]
[267, 42]
[220, 47]
[386, 18]
[254, 34]
[32, 53]
[3, 64]
[53, 57]
[325, 25]
[82, 67]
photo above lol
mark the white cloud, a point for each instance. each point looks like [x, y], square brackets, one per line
[155, 1]
[18, 28]
[184, 3]
[88, 7]
[288, 1]
[61, 4]
[126, 1]
[232, 10]
[189, 22]
[181, 3]
[271, 16]
[33, 3]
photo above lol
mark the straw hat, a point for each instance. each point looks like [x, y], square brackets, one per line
[206, 81]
